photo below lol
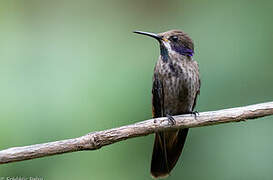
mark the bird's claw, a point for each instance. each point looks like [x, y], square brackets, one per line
[195, 113]
[171, 119]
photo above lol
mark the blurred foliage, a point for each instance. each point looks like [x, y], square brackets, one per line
[71, 67]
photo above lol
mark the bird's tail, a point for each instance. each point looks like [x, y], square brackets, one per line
[167, 149]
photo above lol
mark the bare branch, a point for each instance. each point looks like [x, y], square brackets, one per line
[96, 140]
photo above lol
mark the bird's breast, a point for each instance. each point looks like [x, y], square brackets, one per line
[180, 85]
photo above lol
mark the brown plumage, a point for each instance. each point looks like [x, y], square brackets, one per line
[176, 85]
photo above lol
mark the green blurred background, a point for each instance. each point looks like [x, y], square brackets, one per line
[71, 67]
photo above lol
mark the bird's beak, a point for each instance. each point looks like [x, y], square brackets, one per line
[153, 35]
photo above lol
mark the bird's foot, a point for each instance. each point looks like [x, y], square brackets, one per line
[171, 119]
[195, 113]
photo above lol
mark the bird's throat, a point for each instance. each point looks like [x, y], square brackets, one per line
[164, 53]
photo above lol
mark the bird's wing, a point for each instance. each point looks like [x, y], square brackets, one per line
[196, 68]
[157, 97]
[167, 145]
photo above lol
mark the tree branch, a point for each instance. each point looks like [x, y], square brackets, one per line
[96, 140]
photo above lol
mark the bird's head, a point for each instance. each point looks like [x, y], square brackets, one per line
[172, 42]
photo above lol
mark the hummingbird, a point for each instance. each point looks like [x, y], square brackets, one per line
[176, 85]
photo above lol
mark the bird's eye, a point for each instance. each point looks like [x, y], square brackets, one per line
[174, 38]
